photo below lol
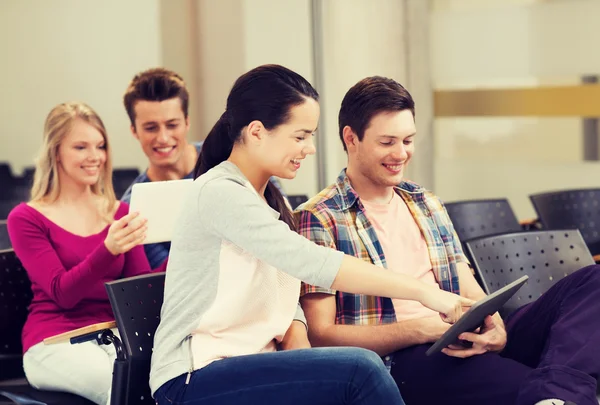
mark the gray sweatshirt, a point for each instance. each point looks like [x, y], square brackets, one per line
[233, 277]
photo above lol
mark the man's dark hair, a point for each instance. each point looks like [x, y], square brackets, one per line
[369, 97]
[157, 84]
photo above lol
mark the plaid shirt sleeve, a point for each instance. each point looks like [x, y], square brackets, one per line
[317, 230]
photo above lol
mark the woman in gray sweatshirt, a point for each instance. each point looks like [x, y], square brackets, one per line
[230, 314]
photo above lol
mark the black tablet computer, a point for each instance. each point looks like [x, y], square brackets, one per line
[474, 317]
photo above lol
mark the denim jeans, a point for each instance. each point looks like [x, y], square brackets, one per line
[323, 376]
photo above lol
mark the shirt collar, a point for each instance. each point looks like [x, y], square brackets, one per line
[346, 196]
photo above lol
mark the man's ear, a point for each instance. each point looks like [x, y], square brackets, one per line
[134, 132]
[350, 138]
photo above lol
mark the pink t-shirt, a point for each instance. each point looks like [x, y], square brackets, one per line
[404, 248]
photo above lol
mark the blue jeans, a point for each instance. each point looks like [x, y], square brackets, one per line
[323, 376]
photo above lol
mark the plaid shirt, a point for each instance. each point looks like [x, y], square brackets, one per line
[335, 218]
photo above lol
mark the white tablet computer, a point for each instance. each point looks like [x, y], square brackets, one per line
[475, 316]
[160, 203]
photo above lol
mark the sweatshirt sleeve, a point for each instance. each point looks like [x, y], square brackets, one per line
[237, 214]
[316, 227]
[44, 268]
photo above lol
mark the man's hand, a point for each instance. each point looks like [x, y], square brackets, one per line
[491, 338]
[296, 337]
[432, 328]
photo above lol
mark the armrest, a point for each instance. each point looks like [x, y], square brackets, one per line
[66, 337]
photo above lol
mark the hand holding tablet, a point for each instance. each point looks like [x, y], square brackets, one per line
[475, 316]
[160, 203]
[490, 337]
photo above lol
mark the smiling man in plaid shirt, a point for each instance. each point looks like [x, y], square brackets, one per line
[371, 212]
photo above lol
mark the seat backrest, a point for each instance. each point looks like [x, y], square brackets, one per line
[15, 297]
[4, 238]
[296, 200]
[122, 179]
[478, 218]
[136, 303]
[545, 256]
[6, 176]
[571, 209]
[129, 173]
[6, 206]
[26, 179]
[11, 196]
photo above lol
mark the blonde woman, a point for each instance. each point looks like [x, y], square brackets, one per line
[72, 237]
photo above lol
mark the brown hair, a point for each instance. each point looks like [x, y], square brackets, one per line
[157, 84]
[369, 97]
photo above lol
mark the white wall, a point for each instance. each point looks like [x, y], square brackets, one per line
[62, 50]
[484, 42]
[66, 50]
[235, 36]
[360, 39]
[221, 50]
[180, 52]
[279, 32]
[495, 44]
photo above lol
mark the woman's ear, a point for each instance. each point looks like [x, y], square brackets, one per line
[256, 130]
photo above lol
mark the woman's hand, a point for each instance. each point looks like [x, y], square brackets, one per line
[449, 305]
[125, 233]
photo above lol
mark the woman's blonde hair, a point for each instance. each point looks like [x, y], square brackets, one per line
[58, 124]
